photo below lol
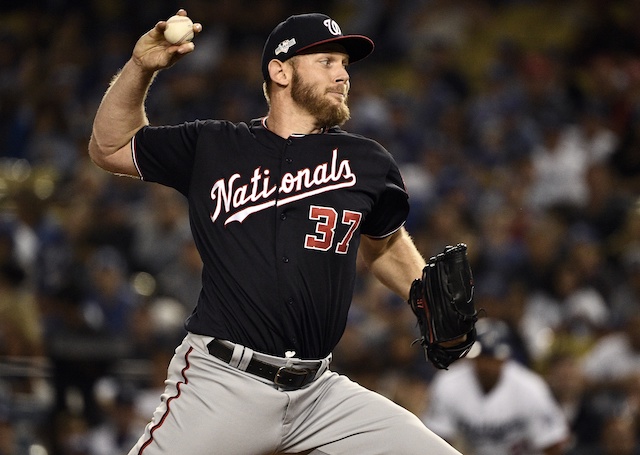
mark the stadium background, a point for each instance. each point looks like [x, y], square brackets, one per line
[516, 125]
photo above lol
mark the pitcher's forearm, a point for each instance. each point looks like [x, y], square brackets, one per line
[395, 261]
[121, 112]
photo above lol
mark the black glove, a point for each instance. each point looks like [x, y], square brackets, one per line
[442, 300]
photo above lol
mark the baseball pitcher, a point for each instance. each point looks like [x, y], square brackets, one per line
[279, 208]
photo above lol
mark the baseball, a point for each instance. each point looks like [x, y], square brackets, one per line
[179, 29]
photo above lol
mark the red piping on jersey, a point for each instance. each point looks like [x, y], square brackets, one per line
[166, 413]
[134, 155]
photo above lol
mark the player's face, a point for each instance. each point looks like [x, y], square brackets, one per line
[488, 371]
[320, 84]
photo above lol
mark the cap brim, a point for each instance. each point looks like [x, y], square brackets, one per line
[501, 351]
[357, 46]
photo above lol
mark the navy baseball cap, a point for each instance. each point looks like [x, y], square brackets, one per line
[301, 32]
[493, 338]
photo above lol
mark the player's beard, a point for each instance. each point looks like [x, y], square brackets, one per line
[326, 112]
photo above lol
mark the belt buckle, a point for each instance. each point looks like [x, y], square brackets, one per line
[290, 377]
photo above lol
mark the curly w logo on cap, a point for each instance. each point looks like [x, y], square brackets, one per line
[301, 32]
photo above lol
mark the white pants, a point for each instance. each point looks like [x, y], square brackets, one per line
[209, 408]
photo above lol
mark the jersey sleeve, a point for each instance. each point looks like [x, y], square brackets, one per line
[165, 154]
[391, 208]
[439, 416]
[548, 424]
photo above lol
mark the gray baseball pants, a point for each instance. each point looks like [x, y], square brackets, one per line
[210, 407]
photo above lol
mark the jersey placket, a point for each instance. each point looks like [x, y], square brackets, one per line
[284, 238]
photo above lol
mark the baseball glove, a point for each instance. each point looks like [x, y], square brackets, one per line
[442, 300]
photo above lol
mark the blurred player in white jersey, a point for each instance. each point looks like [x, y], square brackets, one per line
[492, 405]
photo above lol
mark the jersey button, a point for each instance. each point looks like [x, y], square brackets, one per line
[290, 301]
[285, 259]
[289, 142]
[283, 216]
[289, 160]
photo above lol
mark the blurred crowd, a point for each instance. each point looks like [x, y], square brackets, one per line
[516, 124]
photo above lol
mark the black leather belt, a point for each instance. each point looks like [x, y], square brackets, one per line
[288, 377]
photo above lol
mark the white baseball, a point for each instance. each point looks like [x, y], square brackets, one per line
[179, 29]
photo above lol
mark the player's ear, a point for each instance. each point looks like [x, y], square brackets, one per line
[279, 72]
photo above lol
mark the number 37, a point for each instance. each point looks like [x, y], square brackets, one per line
[327, 220]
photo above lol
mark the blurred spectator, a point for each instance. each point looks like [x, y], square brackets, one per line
[625, 298]
[364, 350]
[8, 435]
[159, 320]
[41, 245]
[20, 327]
[624, 244]
[21, 347]
[80, 355]
[182, 280]
[618, 436]
[442, 86]
[559, 166]
[501, 253]
[110, 220]
[50, 144]
[492, 405]
[371, 111]
[607, 204]
[70, 435]
[410, 390]
[569, 308]
[584, 249]
[592, 129]
[160, 230]
[110, 300]
[563, 372]
[625, 159]
[612, 366]
[542, 236]
[121, 428]
[89, 331]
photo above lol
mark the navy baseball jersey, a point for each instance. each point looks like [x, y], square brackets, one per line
[277, 223]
